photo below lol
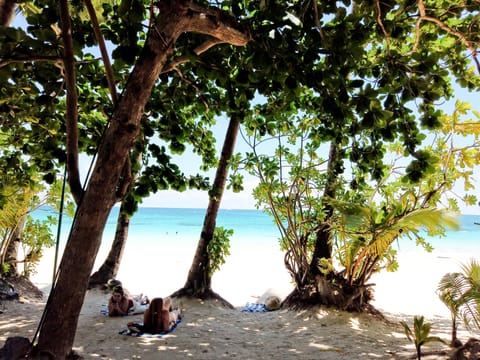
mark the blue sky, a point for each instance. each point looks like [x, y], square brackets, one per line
[196, 199]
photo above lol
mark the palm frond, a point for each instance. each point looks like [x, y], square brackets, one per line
[460, 292]
[451, 288]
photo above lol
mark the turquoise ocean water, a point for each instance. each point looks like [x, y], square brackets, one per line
[182, 227]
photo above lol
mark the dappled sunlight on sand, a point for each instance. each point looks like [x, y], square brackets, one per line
[209, 331]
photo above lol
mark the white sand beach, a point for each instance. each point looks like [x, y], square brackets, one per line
[210, 331]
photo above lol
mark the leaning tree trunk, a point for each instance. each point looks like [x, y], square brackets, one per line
[58, 328]
[199, 280]
[110, 266]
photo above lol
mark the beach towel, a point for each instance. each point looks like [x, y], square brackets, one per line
[253, 307]
[129, 332]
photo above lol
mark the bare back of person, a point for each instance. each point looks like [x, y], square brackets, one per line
[160, 316]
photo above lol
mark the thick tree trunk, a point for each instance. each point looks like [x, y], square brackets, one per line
[57, 331]
[199, 281]
[109, 268]
[322, 249]
[7, 11]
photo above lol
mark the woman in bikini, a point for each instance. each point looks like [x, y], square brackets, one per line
[160, 316]
[119, 304]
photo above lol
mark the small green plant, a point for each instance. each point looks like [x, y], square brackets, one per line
[420, 334]
[219, 248]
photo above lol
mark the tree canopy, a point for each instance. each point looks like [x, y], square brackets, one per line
[342, 81]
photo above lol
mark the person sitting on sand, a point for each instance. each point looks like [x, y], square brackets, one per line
[160, 316]
[119, 303]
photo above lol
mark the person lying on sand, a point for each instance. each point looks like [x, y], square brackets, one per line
[119, 303]
[159, 318]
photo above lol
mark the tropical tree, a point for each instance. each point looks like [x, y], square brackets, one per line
[364, 80]
[23, 238]
[364, 226]
[104, 184]
[199, 280]
[367, 221]
[460, 292]
[354, 72]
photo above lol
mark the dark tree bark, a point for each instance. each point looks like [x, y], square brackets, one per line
[199, 280]
[57, 331]
[73, 174]
[323, 245]
[109, 268]
[7, 12]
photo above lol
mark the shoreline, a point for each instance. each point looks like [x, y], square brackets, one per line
[249, 272]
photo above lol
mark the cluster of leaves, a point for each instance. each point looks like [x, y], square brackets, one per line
[17, 227]
[36, 237]
[218, 248]
[33, 132]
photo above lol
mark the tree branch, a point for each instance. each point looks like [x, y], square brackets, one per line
[103, 50]
[72, 99]
[198, 51]
[29, 59]
[127, 177]
[216, 23]
[380, 23]
[448, 29]
[317, 23]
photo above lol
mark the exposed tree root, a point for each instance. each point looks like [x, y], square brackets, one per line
[471, 350]
[25, 287]
[322, 293]
[202, 295]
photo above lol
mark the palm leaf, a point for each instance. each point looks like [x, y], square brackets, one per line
[471, 297]
[460, 292]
